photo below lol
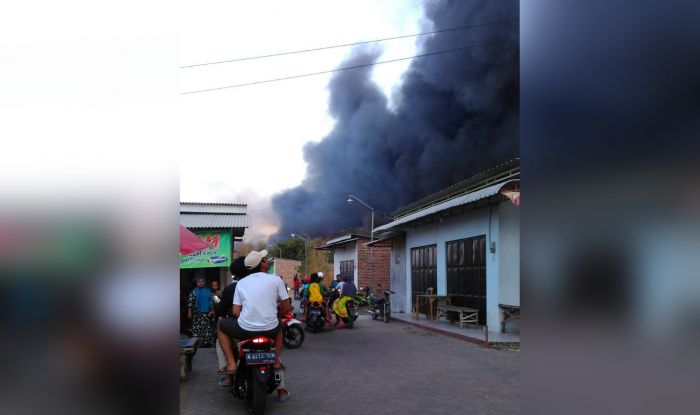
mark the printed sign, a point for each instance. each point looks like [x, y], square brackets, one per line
[219, 255]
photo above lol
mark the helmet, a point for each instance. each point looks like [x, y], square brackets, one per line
[320, 275]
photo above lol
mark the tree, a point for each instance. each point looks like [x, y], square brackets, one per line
[292, 248]
[319, 260]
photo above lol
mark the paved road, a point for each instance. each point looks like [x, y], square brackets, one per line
[388, 369]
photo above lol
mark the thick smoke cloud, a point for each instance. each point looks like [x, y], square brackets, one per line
[456, 115]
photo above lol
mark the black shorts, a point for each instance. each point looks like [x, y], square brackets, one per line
[230, 327]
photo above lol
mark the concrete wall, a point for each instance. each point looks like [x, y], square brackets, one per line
[345, 253]
[466, 225]
[509, 255]
[509, 258]
[398, 276]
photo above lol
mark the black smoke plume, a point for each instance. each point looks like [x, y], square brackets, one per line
[456, 115]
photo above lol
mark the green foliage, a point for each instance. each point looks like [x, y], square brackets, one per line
[292, 248]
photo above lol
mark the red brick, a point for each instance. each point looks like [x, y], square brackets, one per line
[286, 268]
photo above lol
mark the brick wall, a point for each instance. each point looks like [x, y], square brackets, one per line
[286, 268]
[380, 264]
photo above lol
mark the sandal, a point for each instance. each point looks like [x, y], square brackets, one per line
[223, 384]
[284, 398]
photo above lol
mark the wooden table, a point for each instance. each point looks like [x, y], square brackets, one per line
[429, 300]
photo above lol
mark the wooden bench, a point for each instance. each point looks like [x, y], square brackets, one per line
[466, 315]
[508, 313]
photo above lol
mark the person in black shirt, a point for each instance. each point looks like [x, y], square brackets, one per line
[224, 310]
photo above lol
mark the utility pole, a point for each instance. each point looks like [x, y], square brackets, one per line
[352, 198]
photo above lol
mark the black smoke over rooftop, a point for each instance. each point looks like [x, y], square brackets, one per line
[456, 114]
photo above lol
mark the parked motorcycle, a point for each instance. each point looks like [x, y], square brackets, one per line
[381, 307]
[292, 332]
[316, 319]
[256, 377]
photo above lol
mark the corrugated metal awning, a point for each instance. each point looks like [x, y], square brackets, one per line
[457, 201]
[387, 236]
[195, 220]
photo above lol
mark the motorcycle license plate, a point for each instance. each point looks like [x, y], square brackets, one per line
[260, 358]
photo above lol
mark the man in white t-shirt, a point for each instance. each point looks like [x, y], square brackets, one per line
[255, 306]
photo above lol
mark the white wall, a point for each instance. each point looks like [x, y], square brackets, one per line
[467, 225]
[347, 252]
[398, 276]
[509, 255]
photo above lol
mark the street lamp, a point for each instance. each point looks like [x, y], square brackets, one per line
[306, 262]
[352, 198]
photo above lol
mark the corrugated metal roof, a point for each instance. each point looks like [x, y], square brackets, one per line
[457, 201]
[507, 170]
[335, 244]
[387, 236]
[225, 208]
[349, 236]
[200, 220]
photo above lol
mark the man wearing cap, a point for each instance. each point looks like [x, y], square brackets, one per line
[255, 311]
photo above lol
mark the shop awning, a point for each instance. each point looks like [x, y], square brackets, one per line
[190, 242]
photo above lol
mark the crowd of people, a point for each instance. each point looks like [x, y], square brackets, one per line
[252, 306]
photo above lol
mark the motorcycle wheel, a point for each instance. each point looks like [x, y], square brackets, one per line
[257, 395]
[387, 316]
[350, 323]
[374, 316]
[293, 336]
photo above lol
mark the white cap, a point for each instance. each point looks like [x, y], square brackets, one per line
[320, 275]
[253, 259]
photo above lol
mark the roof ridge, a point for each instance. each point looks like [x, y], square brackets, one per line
[214, 203]
[448, 192]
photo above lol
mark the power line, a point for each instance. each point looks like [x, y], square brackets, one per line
[347, 44]
[343, 69]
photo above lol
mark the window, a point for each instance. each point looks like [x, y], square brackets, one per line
[347, 270]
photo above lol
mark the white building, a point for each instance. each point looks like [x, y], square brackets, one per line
[464, 242]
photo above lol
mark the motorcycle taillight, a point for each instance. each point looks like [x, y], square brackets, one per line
[261, 340]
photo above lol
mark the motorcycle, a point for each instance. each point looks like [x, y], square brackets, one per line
[316, 320]
[382, 307]
[256, 377]
[292, 333]
[353, 313]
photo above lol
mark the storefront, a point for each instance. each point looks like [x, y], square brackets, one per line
[219, 225]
